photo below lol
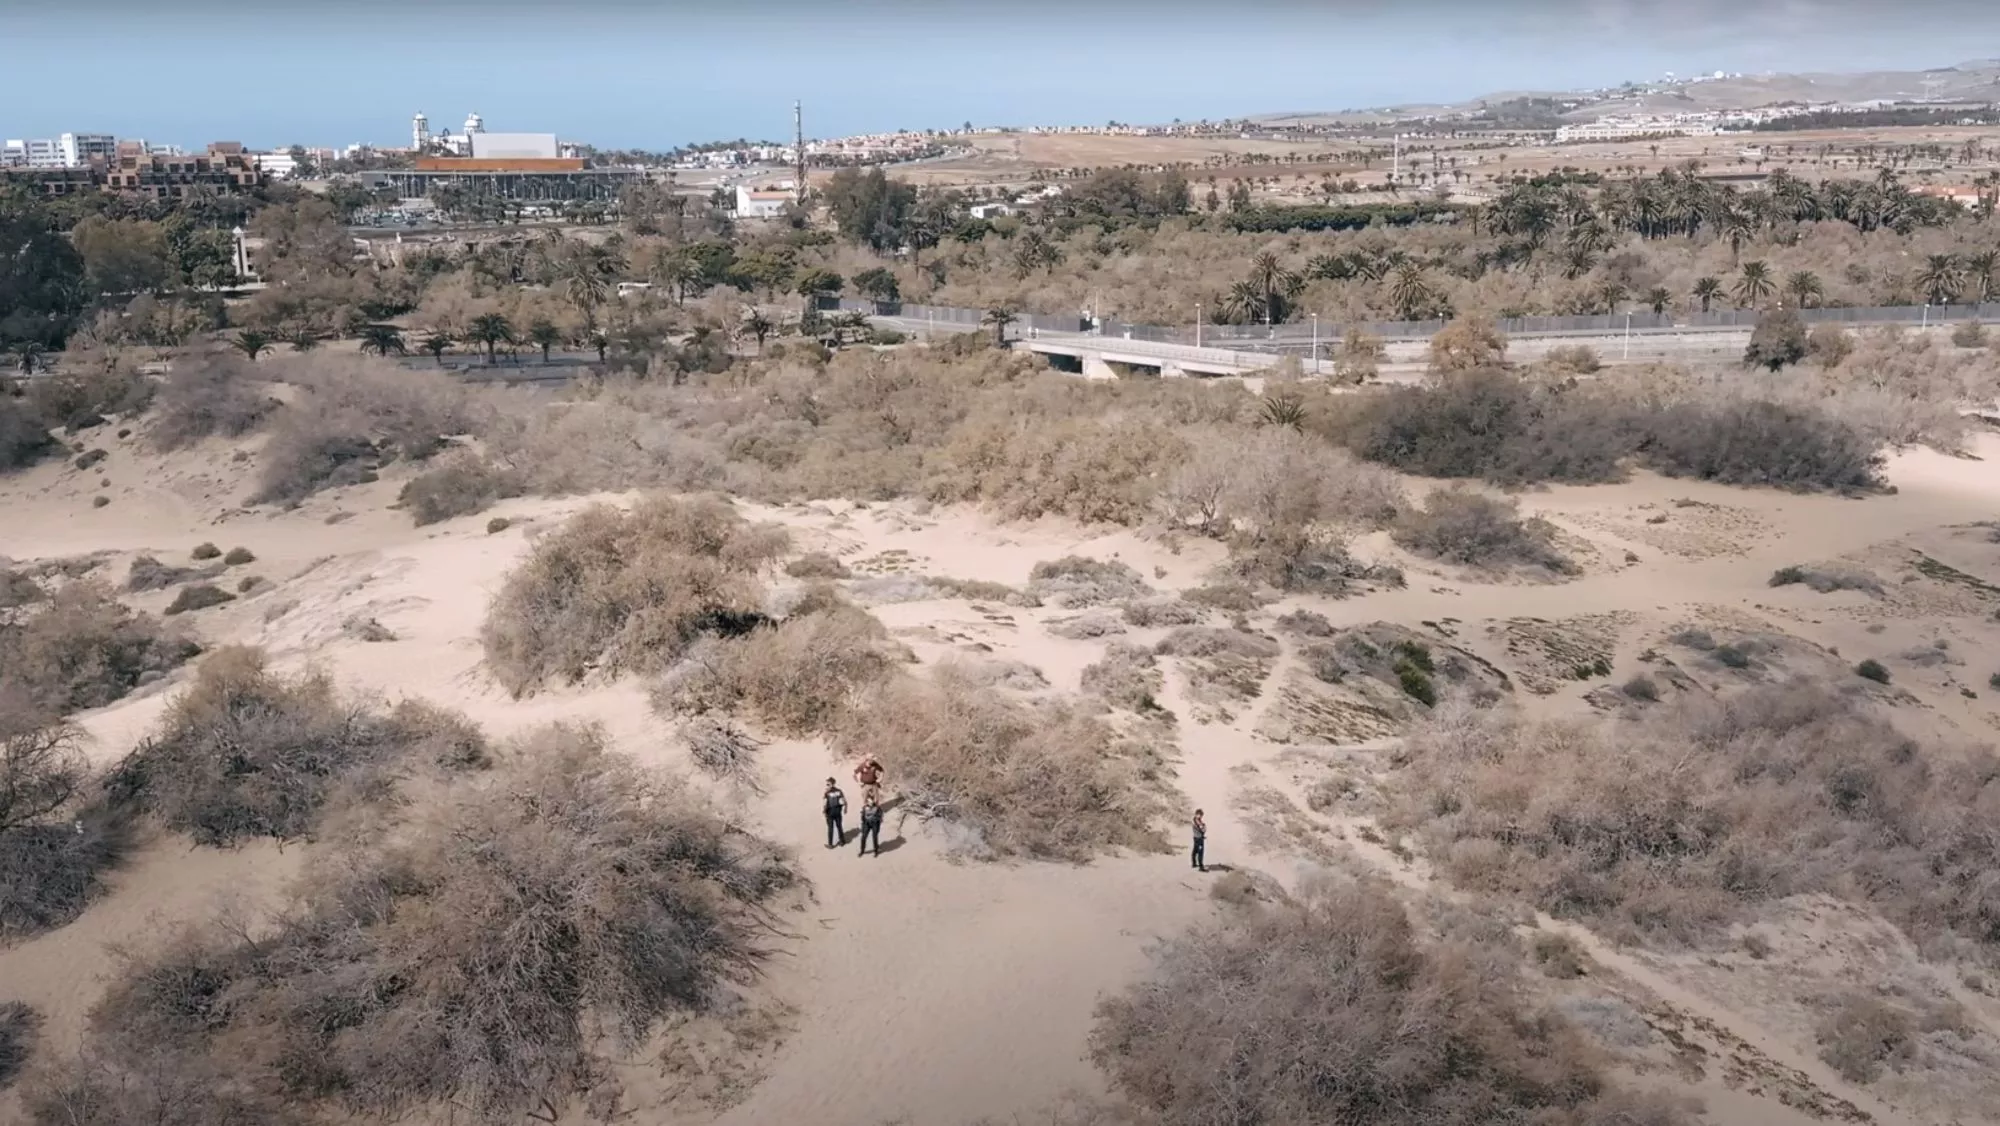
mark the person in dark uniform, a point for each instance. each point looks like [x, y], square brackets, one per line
[836, 813]
[871, 825]
[1200, 863]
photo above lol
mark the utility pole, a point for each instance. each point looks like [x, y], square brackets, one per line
[1396, 160]
[799, 151]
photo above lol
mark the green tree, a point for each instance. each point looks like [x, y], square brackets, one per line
[869, 208]
[1000, 316]
[1754, 284]
[1982, 268]
[1707, 290]
[251, 343]
[437, 344]
[42, 284]
[1275, 285]
[818, 283]
[1941, 278]
[28, 356]
[490, 330]
[1410, 291]
[758, 325]
[1804, 288]
[383, 339]
[1778, 339]
[765, 270]
[544, 335]
[877, 284]
[1033, 251]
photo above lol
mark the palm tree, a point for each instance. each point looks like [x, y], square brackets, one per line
[545, 336]
[302, 338]
[1612, 294]
[251, 343]
[1941, 278]
[1410, 291]
[1659, 297]
[1738, 227]
[383, 339]
[586, 279]
[1803, 287]
[28, 356]
[1706, 290]
[437, 344]
[1000, 316]
[492, 330]
[1755, 285]
[758, 325]
[1274, 283]
[1981, 268]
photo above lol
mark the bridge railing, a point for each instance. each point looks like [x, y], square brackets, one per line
[1329, 333]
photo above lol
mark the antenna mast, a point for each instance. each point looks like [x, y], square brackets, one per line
[799, 152]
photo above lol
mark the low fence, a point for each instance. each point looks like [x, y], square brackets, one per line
[1330, 332]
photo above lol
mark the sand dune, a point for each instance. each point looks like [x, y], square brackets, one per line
[920, 988]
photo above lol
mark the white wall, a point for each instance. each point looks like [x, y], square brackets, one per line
[490, 146]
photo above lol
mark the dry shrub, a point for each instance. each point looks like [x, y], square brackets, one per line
[1090, 469]
[1010, 777]
[54, 844]
[1825, 580]
[247, 753]
[350, 419]
[205, 551]
[1074, 582]
[197, 596]
[1491, 425]
[1146, 613]
[1223, 664]
[82, 648]
[218, 396]
[1254, 485]
[1673, 823]
[624, 591]
[1085, 627]
[19, 1026]
[1969, 334]
[1829, 344]
[24, 437]
[1755, 442]
[1576, 359]
[79, 398]
[162, 1087]
[18, 588]
[1229, 597]
[457, 486]
[817, 565]
[796, 677]
[1467, 344]
[1127, 676]
[148, 573]
[1329, 1009]
[479, 954]
[722, 750]
[1860, 1034]
[238, 556]
[1460, 526]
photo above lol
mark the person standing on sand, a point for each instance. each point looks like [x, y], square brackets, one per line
[871, 823]
[836, 813]
[1200, 863]
[869, 775]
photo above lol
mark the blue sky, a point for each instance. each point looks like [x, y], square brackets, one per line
[653, 74]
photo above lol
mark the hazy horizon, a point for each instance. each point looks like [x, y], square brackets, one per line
[632, 74]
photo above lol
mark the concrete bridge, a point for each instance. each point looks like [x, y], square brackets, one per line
[1099, 357]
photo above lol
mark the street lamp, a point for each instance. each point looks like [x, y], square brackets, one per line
[1315, 351]
[1197, 324]
[1628, 332]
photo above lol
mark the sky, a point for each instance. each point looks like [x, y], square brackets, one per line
[656, 73]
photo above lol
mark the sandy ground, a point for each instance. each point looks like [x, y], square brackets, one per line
[922, 989]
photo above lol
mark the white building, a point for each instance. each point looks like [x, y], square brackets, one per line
[277, 165]
[990, 210]
[1620, 129]
[512, 146]
[474, 124]
[420, 133]
[761, 203]
[79, 149]
[38, 152]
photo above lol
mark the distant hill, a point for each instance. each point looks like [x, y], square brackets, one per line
[1975, 81]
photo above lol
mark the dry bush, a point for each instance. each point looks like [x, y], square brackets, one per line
[162, 1087]
[82, 648]
[1010, 777]
[205, 551]
[1575, 359]
[1467, 344]
[796, 677]
[1492, 425]
[1229, 597]
[218, 396]
[197, 596]
[1829, 344]
[817, 565]
[148, 573]
[24, 437]
[481, 953]
[622, 591]
[350, 419]
[1460, 526]
[457, 486]
[1270, 481]
[18, 588]
[238, 556]
[1860, 1034]
[1329, 1009]
[1085, 627]
[1825, 580]
[77, 399]
[247, 753]
[55, 845]
[1753, 442]
[723, 750]
[1127, 676]
[1969, 334]
[19, 1026]
[1147, 613]
[1223, 664]
[1075, 582]
[1672, 824]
